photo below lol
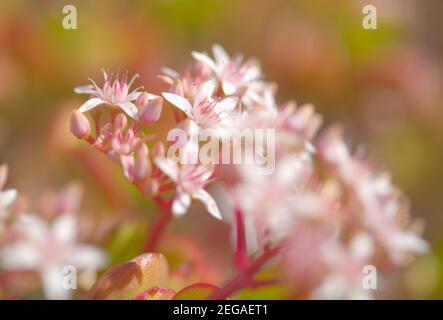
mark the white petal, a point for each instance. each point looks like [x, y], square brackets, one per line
[20, 256]
[205, 92]
[32, 228]
[64, 229]
[229, 87]
[209, 202]
[220, 55]
[7, 197]
[180, 102]
[133, 96]
[189, 154]
[226, 105]
[168, 167]
[170, 73]
[90, 104]
[88, 89]
[52, 280]
[181, 203]
[129, 108]
[203, 58]
[88, 257]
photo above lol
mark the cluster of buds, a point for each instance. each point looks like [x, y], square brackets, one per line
[328, 210]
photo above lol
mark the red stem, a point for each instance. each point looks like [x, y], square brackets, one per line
[159, 225]
[241, 257]
[245, 278]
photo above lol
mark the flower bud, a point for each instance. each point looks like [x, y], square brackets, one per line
[79, 125]
[142, 99]
[120, 121]
[151, 111]
[142, 165]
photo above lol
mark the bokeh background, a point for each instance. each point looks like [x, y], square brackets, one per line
[384, 85]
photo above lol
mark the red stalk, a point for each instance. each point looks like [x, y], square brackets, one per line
[245, 278]
[159, 225]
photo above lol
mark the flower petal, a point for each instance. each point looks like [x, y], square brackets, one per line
[220, 55]
[64, 229]
[203, 58]
[181, 203]
[20, 256]
[88, 89]
[90, 104]
[129, 108]
[52, 281]
[226, 105]
[88, 257]
[209, 202]
[7, 197]
[205, 91]
[168, 167]
[180, 102]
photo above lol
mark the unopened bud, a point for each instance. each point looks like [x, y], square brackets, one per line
[120, 121]
[79, 125]
[142, 165]
[142, 99]
[151, 111]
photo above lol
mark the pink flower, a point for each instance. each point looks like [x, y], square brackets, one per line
[345, 269]
[114, 93]
[47, 249]
[190, 181]
[236, 77]
[379, 205]
[205, 109]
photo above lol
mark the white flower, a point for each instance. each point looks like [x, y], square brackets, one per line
[344, 279]
[205, 110]
[190, 181]
[236, 76]
[47, 249]
[115, 92]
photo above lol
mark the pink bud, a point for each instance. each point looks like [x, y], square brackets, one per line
[79, 125]
[142, 99]
[142, 165]
[120, 121]
[158, 150]
[151, 111]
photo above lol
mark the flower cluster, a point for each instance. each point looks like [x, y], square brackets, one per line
[327, 209]
[46, 243]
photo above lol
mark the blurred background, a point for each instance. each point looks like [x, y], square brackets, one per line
[384, 85]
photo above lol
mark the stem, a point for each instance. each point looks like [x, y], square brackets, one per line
[159, 225]
[241, 257]
[245, 278]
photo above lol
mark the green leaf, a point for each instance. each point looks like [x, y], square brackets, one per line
[127, 242]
